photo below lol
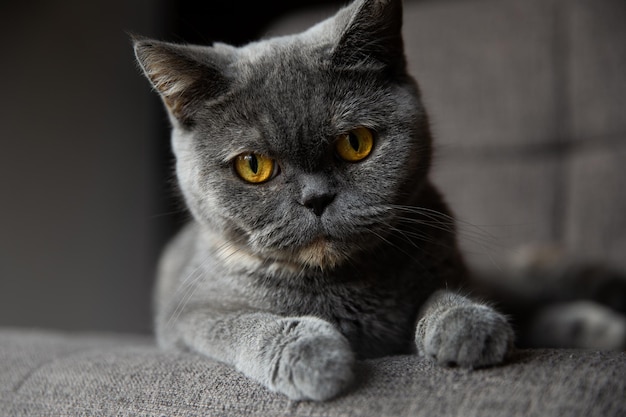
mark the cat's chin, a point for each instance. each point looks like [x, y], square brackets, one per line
[320, 253]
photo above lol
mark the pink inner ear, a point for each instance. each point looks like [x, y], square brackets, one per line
[181, 74]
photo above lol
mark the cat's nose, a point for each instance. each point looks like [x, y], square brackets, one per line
[316, 193]
[317, 203]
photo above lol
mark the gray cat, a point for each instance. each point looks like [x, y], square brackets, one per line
[317, 237]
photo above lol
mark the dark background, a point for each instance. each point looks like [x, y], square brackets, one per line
[86, 201]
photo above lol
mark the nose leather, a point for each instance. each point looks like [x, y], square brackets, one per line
[318, 203]
[316, 194]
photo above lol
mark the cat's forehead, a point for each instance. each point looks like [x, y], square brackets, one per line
[289, 95]
[281, 61]
[294, 80]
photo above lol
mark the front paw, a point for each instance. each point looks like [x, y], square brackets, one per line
[312, 360]
[469, 336]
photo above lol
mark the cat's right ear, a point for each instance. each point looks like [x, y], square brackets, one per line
[184, 75]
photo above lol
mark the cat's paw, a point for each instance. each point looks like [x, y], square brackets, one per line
[469, 336]
[313, 360]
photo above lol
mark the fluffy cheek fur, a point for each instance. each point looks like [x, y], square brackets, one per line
[202, 184]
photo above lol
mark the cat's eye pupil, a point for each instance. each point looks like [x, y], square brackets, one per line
[254, 168]
[254, 163]
[354, 141]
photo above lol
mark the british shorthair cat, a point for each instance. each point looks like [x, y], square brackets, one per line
[317, 235]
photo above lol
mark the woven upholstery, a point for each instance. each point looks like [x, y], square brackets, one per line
[54, 374]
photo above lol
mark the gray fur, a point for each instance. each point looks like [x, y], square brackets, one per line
[455, 330]
[287, 294]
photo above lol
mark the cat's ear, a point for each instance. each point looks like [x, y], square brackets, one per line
[372, 35]
[184, 75]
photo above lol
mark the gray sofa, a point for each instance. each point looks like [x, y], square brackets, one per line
[528, 102]
[54, 374]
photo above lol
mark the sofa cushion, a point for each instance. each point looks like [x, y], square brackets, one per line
[48, 373]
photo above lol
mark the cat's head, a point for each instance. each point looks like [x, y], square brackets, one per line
[297, 148]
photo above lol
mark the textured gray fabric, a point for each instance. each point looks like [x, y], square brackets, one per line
[596, 65]
[54, 374]
[486, 69]
[596, 204]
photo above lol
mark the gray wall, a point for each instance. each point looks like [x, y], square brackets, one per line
[79, 212]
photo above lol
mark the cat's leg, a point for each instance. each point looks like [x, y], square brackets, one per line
[301, 357]
[578, 324]
[456, 331]
[558, 300]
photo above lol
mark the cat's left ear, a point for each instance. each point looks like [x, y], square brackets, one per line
[184, 75]
[372, 36]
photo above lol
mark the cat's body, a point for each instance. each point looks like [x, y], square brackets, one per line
[373, 300]
[317, 235]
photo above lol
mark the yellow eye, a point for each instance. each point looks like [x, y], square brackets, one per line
[254, 168]
[355, 145]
